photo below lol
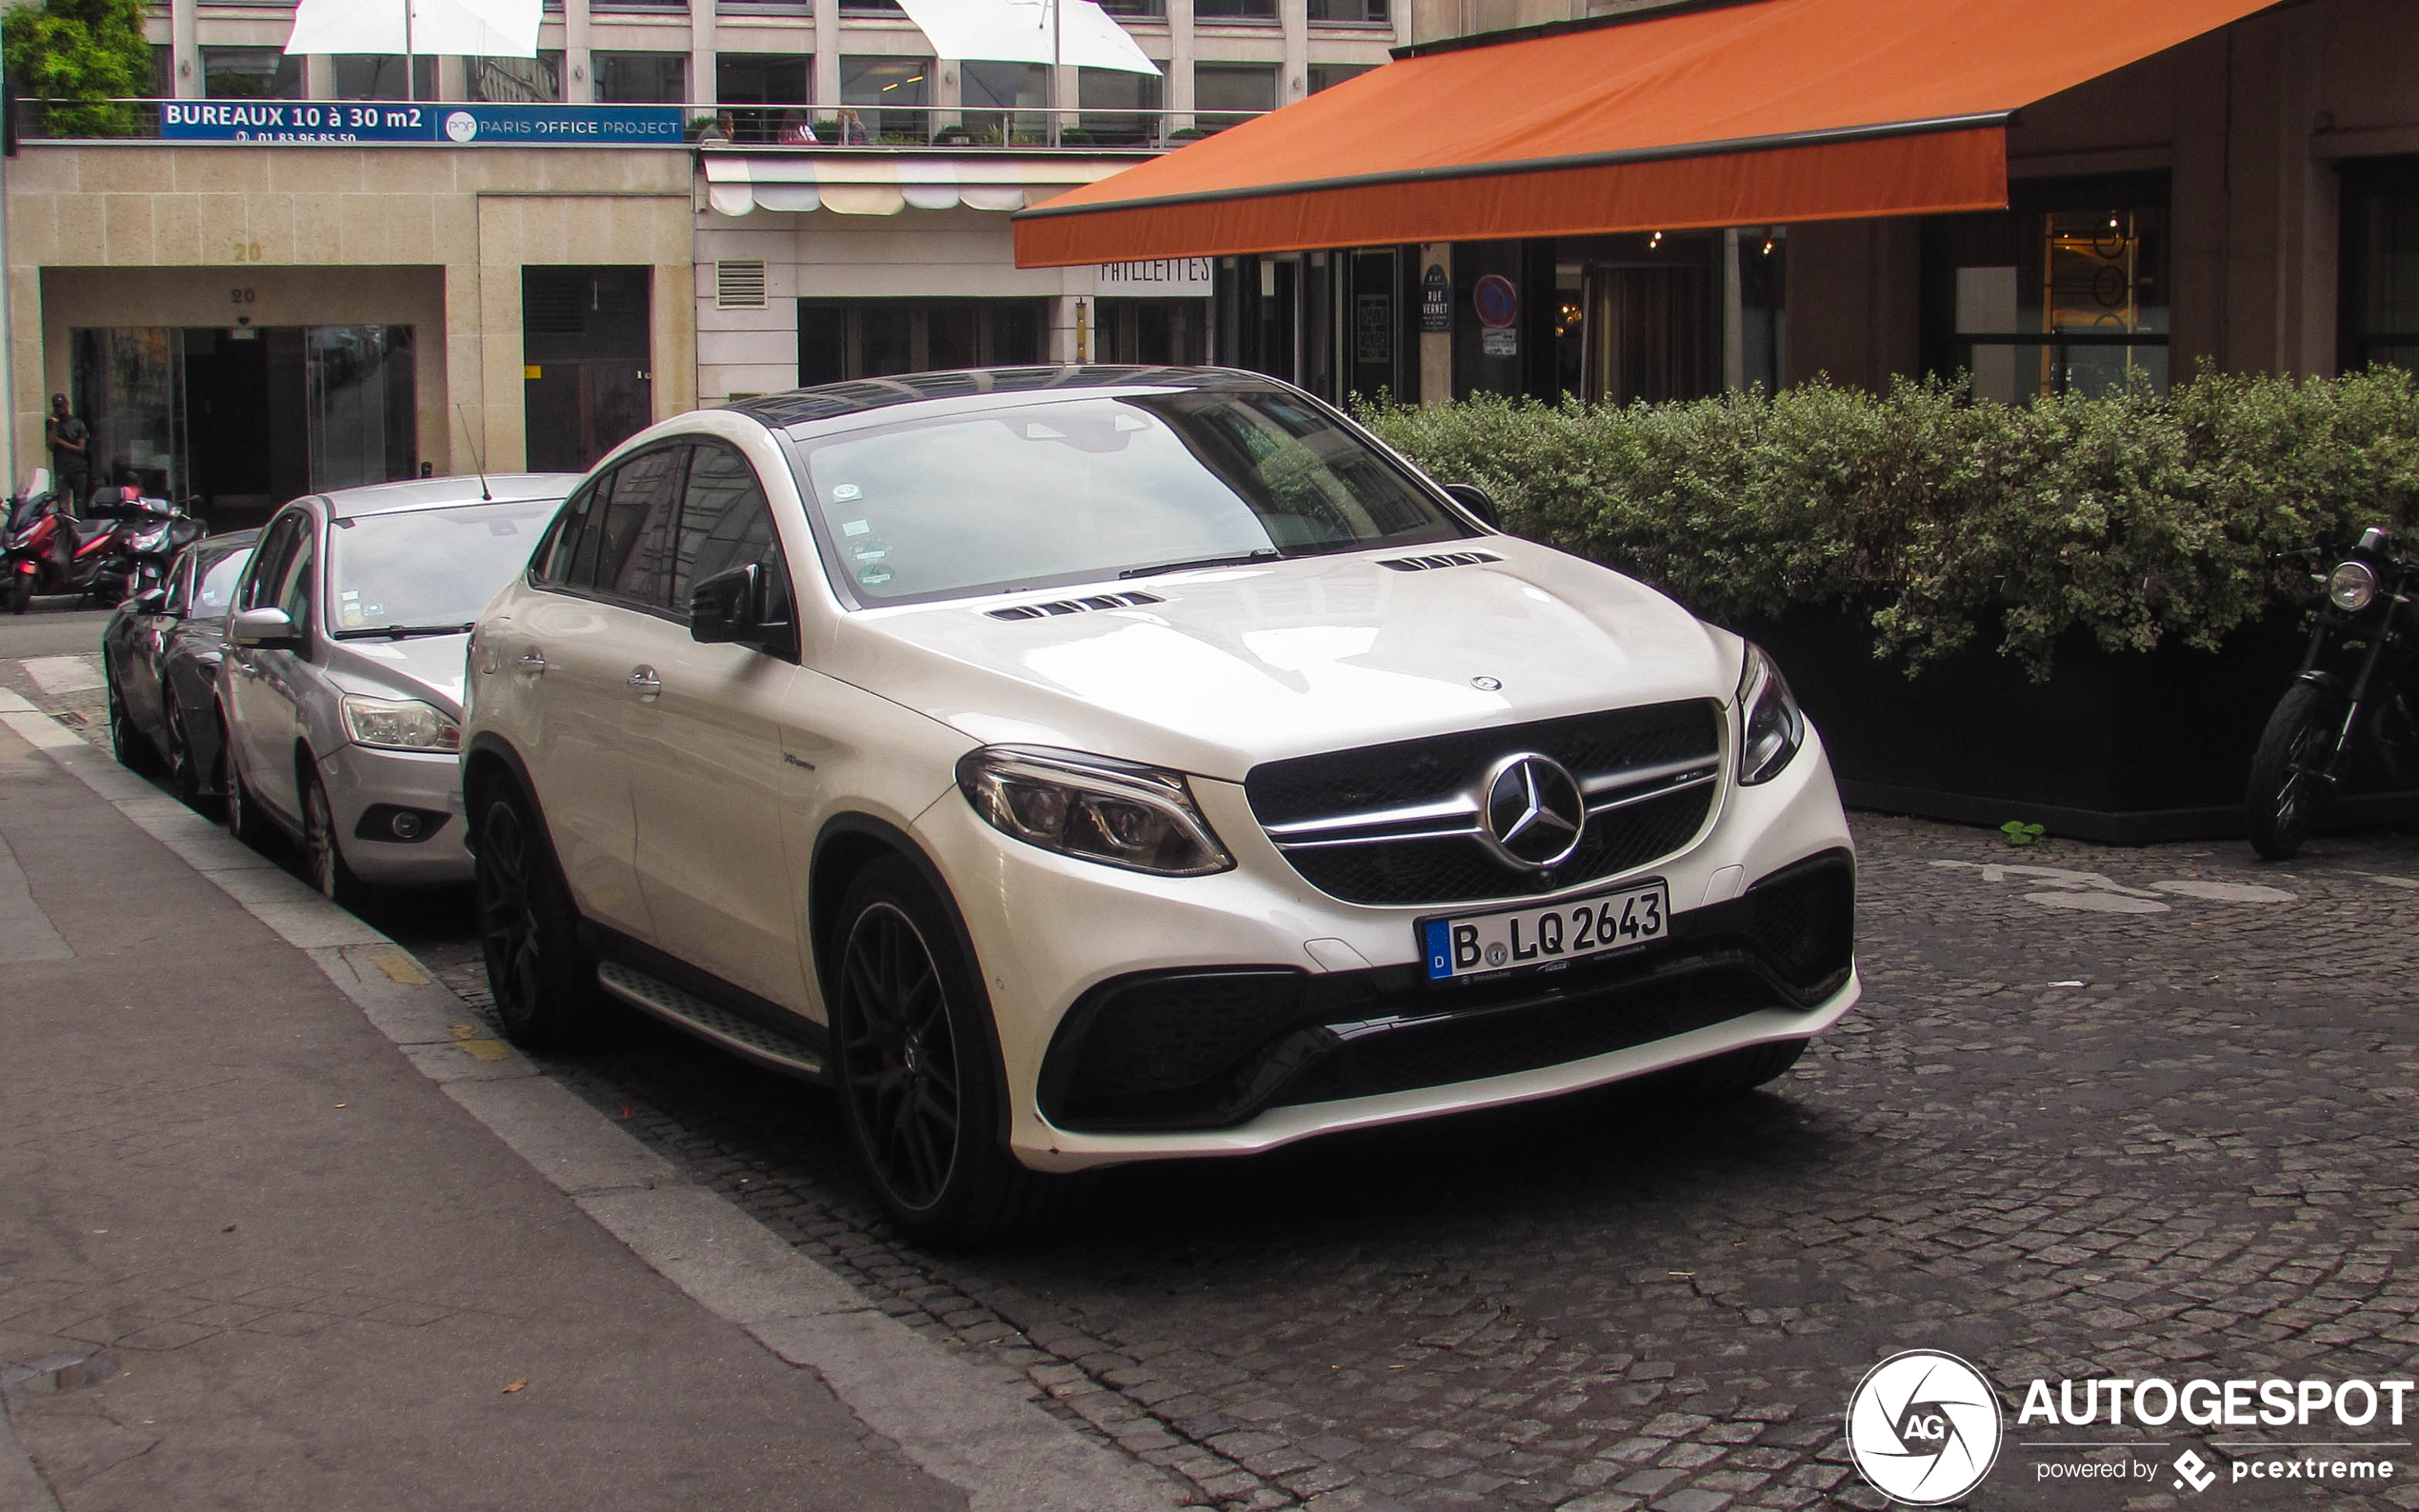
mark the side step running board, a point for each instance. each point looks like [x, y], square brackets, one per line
[710, 1020]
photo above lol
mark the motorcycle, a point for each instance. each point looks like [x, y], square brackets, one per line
[59, 552]
[2353, 711]
[152, 535]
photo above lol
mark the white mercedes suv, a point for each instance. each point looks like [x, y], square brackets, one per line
[1083, 765]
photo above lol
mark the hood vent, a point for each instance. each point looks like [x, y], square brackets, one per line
[1082, 605]
[1442, 559]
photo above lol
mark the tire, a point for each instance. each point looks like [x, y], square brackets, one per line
[245, 820]
[323, 850]
[2284, 793]
[20, 591]
[184, 772]
[132, 748]
[1734, 1073]
[543, 981]
[919, 1084]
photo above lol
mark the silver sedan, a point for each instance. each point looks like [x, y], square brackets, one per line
[340, 697]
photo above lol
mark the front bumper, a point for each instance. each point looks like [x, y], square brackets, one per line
[359, 779]
[1309, 1015]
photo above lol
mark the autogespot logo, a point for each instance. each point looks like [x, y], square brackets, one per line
[1923, 1427]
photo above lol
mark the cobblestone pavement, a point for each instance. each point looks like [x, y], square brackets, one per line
[2128, 1112]
[2104, 1112]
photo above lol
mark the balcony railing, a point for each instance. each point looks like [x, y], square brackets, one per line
[751, 125]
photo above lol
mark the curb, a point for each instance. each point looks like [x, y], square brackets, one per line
[949, 1417]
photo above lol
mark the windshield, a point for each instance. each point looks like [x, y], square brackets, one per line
[216, 589]
[427, 570]
[1087, 488]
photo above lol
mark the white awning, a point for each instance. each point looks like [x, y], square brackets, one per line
[1022, 31]
[468, 29]
[863, 183]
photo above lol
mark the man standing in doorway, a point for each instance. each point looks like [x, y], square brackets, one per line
[70, 443]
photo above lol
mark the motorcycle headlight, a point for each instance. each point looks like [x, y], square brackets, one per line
[1096, 807]
[406, 724]
[2352, 587]
[1772, 725]
[149, 540]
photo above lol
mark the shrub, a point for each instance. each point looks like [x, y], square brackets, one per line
[77, 56]
[2136, 517]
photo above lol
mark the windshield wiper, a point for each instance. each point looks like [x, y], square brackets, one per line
[399, 632]
[1266, 554]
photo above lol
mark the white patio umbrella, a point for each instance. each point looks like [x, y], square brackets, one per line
[465, 28]
[1078, 32]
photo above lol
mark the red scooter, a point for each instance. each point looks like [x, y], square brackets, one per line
[55, 552]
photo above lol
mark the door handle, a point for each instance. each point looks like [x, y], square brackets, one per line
[532, 662]
[644, 682]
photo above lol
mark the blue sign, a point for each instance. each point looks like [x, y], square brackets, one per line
[283, 122]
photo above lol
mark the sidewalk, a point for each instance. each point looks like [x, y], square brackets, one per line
[268, 1244]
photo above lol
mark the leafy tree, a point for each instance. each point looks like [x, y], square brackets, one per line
[78, 55]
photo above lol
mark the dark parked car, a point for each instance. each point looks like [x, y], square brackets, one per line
[161, 650]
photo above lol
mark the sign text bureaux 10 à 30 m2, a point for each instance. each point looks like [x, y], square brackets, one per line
[284, 123]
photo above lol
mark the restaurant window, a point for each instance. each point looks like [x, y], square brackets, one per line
[1223, 93]
[2065, 292]
[2380, 318]
[876, 338]
[641, 78]
[250, 73]
[888, 94]
[1647, 319]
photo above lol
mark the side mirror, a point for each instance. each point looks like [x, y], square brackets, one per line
[265, 629]
[1473, 498]
[737, 605]
[150, 601]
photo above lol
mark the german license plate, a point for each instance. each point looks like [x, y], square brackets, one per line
[1474, 945]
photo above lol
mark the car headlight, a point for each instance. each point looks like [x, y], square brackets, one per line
[1772, 724]
[1118, 813]
[405, 725]
[2352, 587]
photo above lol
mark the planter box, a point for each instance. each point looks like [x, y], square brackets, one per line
[2127, 748]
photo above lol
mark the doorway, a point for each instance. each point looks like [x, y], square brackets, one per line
[587, 383]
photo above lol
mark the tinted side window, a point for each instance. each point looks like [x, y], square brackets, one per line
[294, 593]
[725, 521]
[553, 564]
[633, 559]
[590, 539]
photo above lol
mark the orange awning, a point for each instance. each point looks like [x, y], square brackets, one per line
[1728, 114]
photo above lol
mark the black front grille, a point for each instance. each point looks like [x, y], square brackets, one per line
[1460, 868]
[1209, 1049]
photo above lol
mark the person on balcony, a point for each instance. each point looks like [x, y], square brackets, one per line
[794, 129]
[852, 131]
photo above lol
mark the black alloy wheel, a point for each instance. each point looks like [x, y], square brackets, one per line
[918, 1080]
[323, 850]
[183, 774]
[2287, 771]
[131, 748]
[245, 820]
[543, 982]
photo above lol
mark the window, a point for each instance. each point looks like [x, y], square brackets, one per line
[626, 553]
[874, 338]
[163, 73]
[250, 73]
[2380, 318]
[553, 566]
[516, 81]
[1144, 10]
[888, 94]
[381, 78]
[641, 78]
[1328, 75]
[756, 86]
[724, 523]
[1232, 88]
[1245, 10]
[1350, 14]
[293, 586]
[1120, 108]
[995, 93]
[276, 551]
[2065, 292]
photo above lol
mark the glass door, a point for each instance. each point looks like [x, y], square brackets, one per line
[362, 420]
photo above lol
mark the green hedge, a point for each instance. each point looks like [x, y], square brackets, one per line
[2136, 517]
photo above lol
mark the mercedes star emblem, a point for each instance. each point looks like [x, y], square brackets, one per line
[1486, 685]
[1532, 813]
